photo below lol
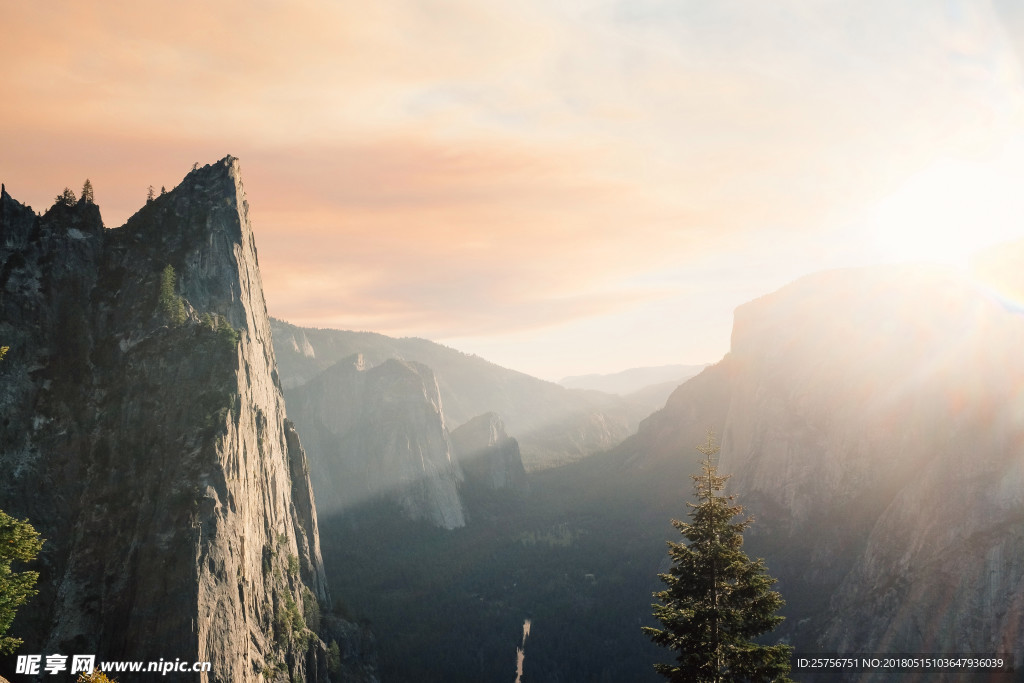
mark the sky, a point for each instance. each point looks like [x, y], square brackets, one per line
[562, 187]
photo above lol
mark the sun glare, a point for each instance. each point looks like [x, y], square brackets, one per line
[949, 211]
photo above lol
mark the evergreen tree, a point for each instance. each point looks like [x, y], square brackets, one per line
[171, 304]
[150, 194]
[18, 541]
[87, 192]
[716, 598]
[333, 658]
[67, 197]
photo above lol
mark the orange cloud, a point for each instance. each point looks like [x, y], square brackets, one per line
[408, 237]
[481, 167]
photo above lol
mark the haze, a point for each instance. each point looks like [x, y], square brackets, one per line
[560, 187]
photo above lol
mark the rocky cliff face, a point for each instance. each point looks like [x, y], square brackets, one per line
[379, 433]
[144, 435]
[874, 424]
[488, 455]
[893, 437]
[553, 425]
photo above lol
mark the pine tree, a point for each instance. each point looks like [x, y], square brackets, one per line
[67, 197]
[87, 192]
[716, 598]
[18, 541]
[150, 194]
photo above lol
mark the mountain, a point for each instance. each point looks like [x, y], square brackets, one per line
[632, 380]
[488, 455]
[379, 432]
[872, 423]
[553, 425]
[144, 436]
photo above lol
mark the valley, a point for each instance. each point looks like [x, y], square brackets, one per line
[849, 400]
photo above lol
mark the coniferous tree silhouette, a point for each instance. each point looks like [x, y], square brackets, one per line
[67, 197]
[716, 598]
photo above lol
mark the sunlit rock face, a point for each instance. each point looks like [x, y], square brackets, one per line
[154, 456]
[488, 455]
[876, 428]
[379, 432]
[873, 422]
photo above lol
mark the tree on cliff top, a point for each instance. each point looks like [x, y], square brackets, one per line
[716, 598]
[87, 195]
[67, 197]
[18, 541]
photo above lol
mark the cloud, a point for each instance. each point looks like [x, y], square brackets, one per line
[455, 242]
[462, 168]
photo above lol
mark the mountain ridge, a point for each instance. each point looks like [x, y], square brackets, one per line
[551, 423]
[633, 380]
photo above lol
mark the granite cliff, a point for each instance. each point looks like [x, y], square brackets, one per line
[144, 435]
[376, 433]
[872, 421]
[488, 455]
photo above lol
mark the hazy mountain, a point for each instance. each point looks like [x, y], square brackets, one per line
[488, 455]
[379, 432]
[154, 456]
[634, 379]
[551, 423]
[654, 396]
[872, 421]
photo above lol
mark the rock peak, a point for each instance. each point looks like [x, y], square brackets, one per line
[173, 422]
[228, 167]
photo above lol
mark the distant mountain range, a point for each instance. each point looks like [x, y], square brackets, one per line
[553, 425]
[634, 379]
